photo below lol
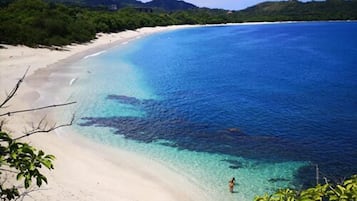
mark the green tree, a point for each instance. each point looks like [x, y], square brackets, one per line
[346, 191]
[37, 22]
[24, 161]
[21, 159]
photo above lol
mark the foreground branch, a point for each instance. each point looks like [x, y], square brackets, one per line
[330, 187]
[7, 170]
[21, 159]
[35, 109]
[14, 90]
[40, 128]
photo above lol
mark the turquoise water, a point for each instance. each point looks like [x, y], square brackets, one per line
[262, 103]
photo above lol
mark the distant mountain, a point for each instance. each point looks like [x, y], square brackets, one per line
[170, 5]
[97, 3]
[296, 10]
[119, 3]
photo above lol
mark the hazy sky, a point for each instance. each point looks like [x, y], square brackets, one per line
[225, 4]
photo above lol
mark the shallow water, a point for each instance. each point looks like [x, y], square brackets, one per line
[263, 103]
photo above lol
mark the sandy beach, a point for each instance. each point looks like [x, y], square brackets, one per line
[84, 170]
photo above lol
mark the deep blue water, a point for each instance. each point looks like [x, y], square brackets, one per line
[274, 92]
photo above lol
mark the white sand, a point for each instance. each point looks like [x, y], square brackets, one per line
[84, 170]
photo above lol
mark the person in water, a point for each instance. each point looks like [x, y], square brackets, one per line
[231, 184]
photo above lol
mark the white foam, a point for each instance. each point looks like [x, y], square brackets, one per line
[72, 81]
[95, 54]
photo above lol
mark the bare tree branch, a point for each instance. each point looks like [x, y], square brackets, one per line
[40, 128]
[35, 109]
[27, 193]
[6, 170]
[330, 186]
[14, 90]
[4, 178]
[2, 123]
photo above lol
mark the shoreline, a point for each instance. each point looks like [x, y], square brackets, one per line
[84, 170]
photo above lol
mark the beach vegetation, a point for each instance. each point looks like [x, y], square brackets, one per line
[344, 191]
[47, 23]
[22, 160]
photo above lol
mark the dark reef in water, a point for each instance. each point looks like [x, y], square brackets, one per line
[128, 100]
[274, 180]
[234, 164]
[124, 99]
[164, 122]
[169, 126]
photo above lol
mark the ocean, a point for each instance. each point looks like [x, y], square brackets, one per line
[263, 103]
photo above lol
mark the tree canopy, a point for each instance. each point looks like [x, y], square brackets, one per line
[346, 191]
[36, 22]
[24, 161]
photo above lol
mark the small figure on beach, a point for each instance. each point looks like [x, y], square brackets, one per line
[231, 184]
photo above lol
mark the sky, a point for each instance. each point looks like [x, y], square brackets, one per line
[225, 4]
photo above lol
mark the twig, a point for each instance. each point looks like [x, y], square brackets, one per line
[330, 186]
[2, 122]
[38, 129]
[27, 193]
[35, 109]
[4, 179]
[14, 90]
[6, 170]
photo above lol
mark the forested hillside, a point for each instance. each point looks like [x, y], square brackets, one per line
[167, 5]
[297, 11]
[35, 22]
[172, 5]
